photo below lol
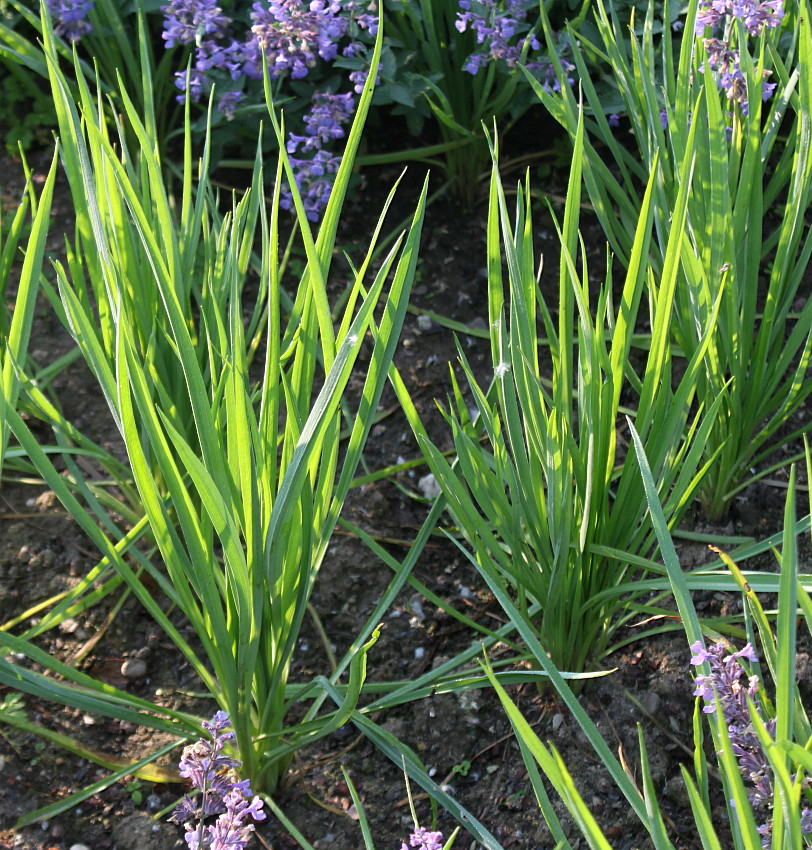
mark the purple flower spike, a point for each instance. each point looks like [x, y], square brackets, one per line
[503, 35]
[324, 124]
[723, 59]
[330, 111]
[294, 34]
[228, 103]
[189, 21]
[69, 18]
[214, 774]
[219, 722]
[725, 685]
[756, 15]
[700, 654]
[422, 839]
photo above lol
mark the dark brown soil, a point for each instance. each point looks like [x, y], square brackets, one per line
[465, 739]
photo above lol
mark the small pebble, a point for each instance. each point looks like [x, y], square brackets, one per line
[134, 668]
[45, 558]
[416, 607]
[650, 701]
[46, 501]
[558, 719]
[79, 847]
[429, 487]
[424, 322]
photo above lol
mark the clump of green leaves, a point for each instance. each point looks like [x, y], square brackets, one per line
[230, 419]
[747, 244]
[547, 504]
[777, 722]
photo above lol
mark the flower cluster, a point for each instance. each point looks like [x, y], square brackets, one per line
[314, 175]
[724, 683]
[292, 34]
[494, 28]
[213, 773]
[504, 35]
[754, 14]
[324, 122]
[202, 23]
[544, 69]
[422, 839]
[723, 58]
[192, 21]
[69, 18]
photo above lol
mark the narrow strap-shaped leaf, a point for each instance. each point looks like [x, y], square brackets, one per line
[676, 577]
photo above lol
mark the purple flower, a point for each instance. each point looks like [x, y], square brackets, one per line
[767, 89]
[323, 124]
[709, 15]
[725, 62]
[422, 839]
[474, 62]
[315, 183]
[293, 35]
[495, 27]
[759, 16]
[545, 71]
[198, 83]
[361, 15]
[329, 112]
[613, 119]
[720, 54]
[359, 79]
[700, 654]
[212, 772]
[724, 683]
[756, 15]
[213, 59]
[228, 58]
[189, 21]
[69, 18]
